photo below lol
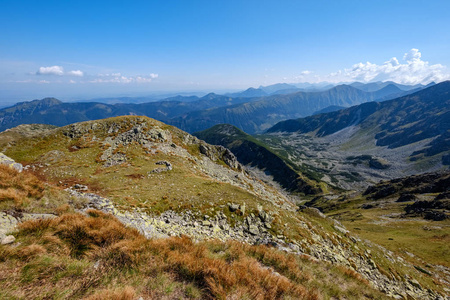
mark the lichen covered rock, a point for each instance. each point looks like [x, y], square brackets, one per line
[10, 162]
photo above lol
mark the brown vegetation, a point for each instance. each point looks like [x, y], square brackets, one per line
[95, 256]
[19, 187]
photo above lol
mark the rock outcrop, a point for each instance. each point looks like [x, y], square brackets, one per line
[5, 160]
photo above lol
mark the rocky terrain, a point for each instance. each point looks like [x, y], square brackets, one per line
[165, 182]
[420, 190]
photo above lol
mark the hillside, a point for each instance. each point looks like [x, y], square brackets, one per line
[372, 141]
[251, 152]
[164, 182]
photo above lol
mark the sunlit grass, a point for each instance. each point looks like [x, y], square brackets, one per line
[76, 256]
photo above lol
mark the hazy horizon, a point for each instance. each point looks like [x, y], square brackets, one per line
[88, 50]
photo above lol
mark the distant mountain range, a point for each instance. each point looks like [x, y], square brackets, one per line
[253, 111]
[54, 112]
[421, 116]
[284, 88]
[375, 86]
[262, 113]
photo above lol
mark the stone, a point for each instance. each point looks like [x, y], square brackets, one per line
[372, 263]
[406, 197]
[294, 247]
[9, 239]
[253, 229]
[415, 283]
[166, 163]
[242, 208]
[80, 187]
[10, 162]
[340, 229]
[314, 212]
[262, 215]
[233, 207]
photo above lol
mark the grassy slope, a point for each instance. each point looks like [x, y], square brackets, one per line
[128, 184]
[419, 241]
[74, 256]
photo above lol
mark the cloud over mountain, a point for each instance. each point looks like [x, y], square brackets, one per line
[413, 70]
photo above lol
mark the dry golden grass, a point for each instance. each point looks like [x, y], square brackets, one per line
[75, 256]
[19, 187]
[241, 276]
[127, 293]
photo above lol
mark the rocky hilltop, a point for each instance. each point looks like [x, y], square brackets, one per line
[164, 182]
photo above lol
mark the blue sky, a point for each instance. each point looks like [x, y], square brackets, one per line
[83, 49]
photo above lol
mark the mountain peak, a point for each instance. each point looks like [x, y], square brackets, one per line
[45, 102]
[222, 129]
[209, 96]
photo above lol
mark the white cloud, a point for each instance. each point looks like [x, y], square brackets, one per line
[58, 70]
[413, 55]
[54, 70]
[303, 76]
[412, 70]
[144, 79]
[118, 78]
[76, 73]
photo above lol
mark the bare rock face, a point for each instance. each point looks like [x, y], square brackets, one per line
[10, 162]
[216, 152]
